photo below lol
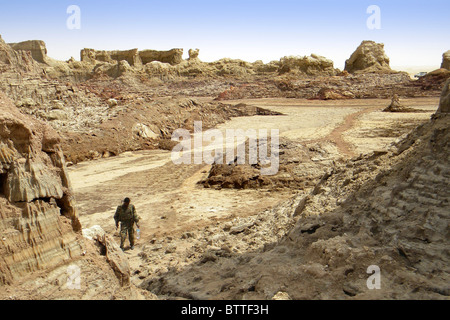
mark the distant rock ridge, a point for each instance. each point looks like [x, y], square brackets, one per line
[134, 57]
[162, 64]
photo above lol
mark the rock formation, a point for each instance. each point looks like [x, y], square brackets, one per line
[37, 48]
[38, 219]
[369, 57]
[173, 57]
[395, 105]
[14, 62]
[312, 65]
[446, 60]
[134, 57]
[116, 259]
[94, 56]
[333, 94]
[193, 54]
[444, 104]
[433, 80]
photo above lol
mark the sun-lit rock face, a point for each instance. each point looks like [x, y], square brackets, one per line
[134, 57]
[444, 105]
[446, 60]
[369, 57]
[37, 48]
[38, 220]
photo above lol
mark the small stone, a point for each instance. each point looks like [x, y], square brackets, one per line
[281, 296]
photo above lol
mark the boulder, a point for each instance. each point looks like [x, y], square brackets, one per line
[241, 227]
[94, 233]
[143, 131]
[369, 57]
[116, 259]
[56, 115]
[281, 296]
[113, 103]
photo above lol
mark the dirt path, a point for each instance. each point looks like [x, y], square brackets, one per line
[337, 135]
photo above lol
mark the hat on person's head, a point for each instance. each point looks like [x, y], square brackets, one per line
[127, 200]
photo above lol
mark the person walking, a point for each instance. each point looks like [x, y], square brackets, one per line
[127, 216]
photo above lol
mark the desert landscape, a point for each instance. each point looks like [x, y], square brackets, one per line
[362, 180]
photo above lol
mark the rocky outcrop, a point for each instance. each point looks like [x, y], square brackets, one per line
[94, 56]
[334, 94]
[193, 54]
[173, 57]
[444, 104]
[134, 57]
[369, 57]
[116, 259]
[38, 219]
[446, 60]
[240, 174]
[144, 131]
[433, 80]
[395, 105]
[37, 48]
[311, 66]
[13, 62]
[358, 86]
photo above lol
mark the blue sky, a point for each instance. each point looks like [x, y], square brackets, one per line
[415, 33]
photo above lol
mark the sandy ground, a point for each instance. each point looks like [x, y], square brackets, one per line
[168, 198]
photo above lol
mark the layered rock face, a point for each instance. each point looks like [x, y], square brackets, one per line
[38, 219]
[94, 56]
[444, 105]
[37, 48]
[134, 57]
[173, 57]
[369, 57]
[446, 60]
[14, 63]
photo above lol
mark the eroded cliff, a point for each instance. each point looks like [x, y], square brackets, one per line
[38, 219]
